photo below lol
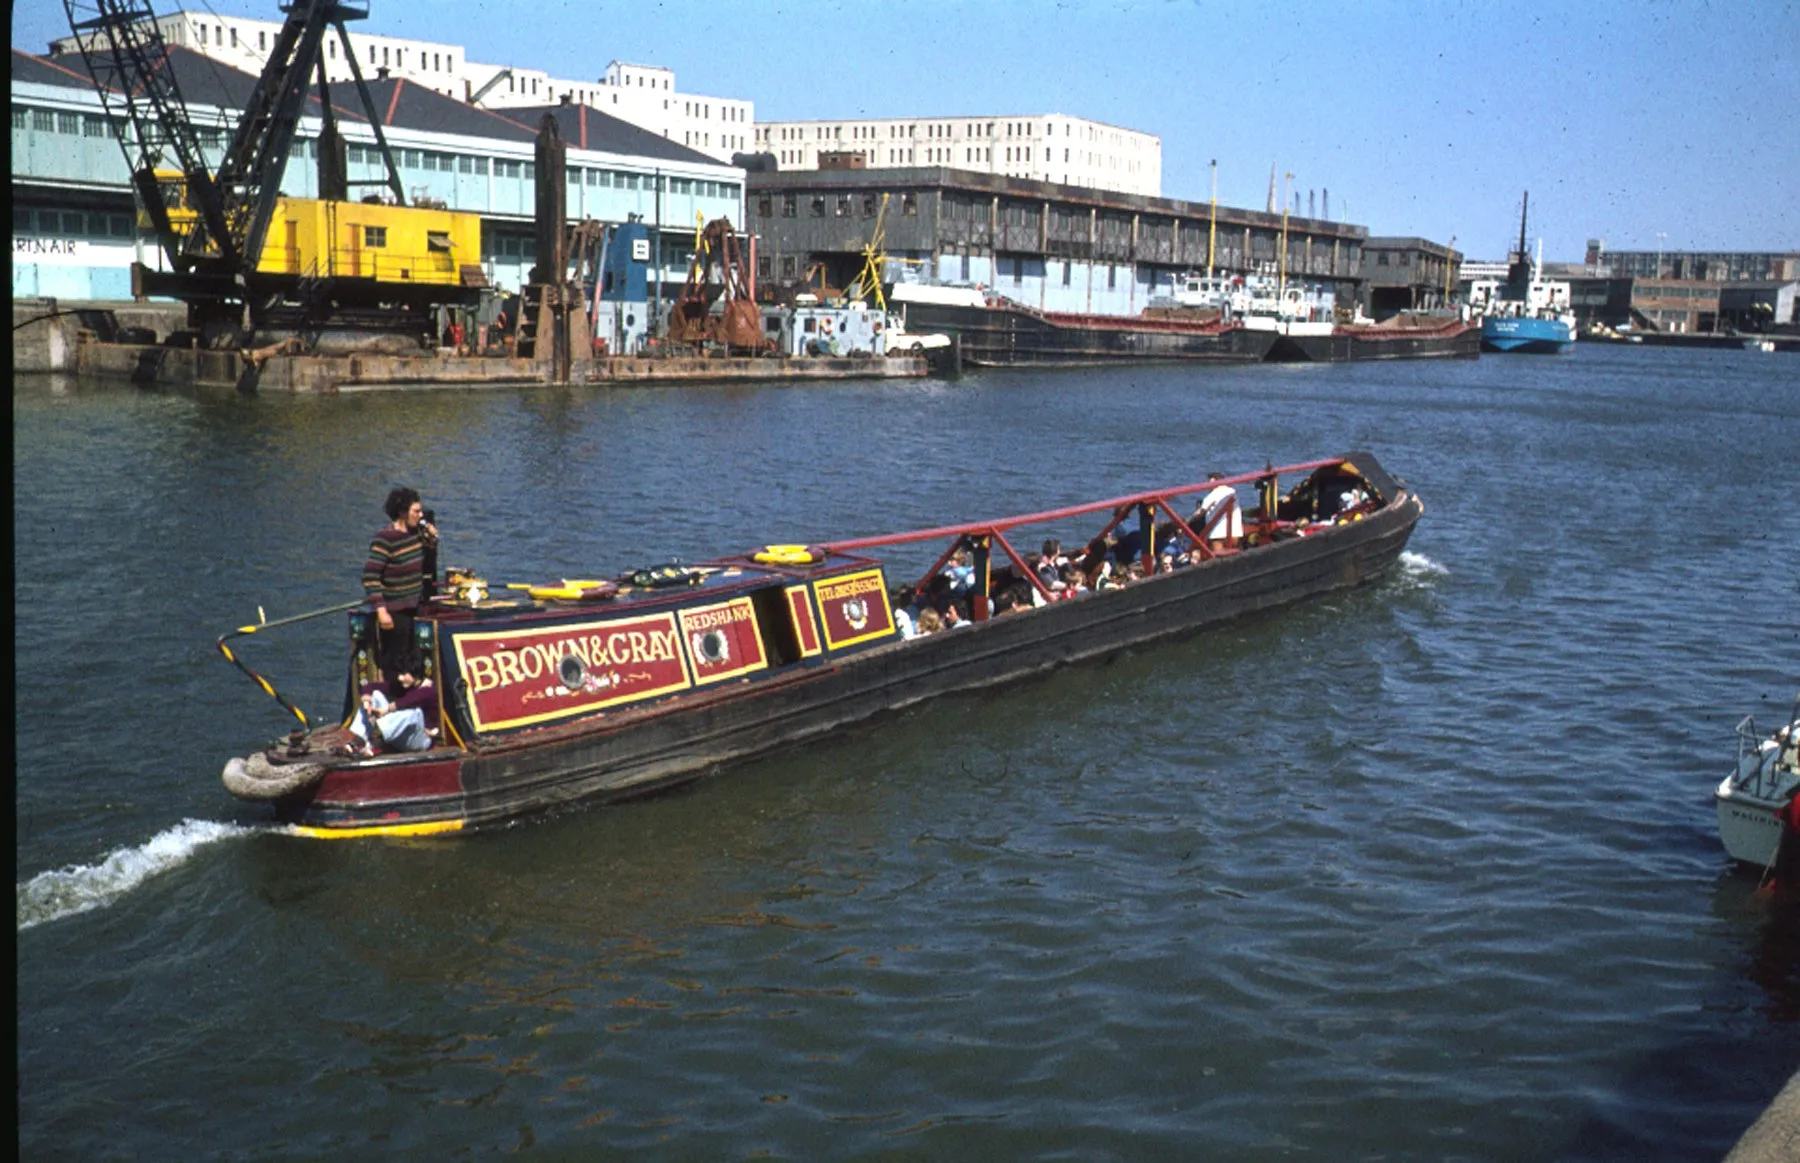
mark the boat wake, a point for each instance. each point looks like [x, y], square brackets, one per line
[63, 892]
[1420, 570]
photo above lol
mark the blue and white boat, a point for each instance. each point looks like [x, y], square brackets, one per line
[1525, 314]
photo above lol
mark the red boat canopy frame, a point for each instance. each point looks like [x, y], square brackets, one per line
[980, 533]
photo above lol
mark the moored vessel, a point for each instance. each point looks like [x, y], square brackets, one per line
[588, 691]
[1526, 314]
[1239, 327]
[1762, 785]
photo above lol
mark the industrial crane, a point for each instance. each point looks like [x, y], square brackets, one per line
[214, 227]
[868, 280]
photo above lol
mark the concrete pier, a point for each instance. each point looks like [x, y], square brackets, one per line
[187, 367]
[125, 341]
[47, 332]
[1775, 1137]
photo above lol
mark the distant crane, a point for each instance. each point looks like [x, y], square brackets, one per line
[868, 280]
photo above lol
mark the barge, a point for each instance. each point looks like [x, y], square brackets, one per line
[996, 332]
[585, 692]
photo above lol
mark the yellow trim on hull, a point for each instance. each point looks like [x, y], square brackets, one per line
[429, 829]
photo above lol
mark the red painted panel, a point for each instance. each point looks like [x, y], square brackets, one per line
[355, 786]
[803, 621]
[722, 640]
[513, 674]
[854, 607]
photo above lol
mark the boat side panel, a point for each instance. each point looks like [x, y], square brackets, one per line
[658, 750]
[385, 783]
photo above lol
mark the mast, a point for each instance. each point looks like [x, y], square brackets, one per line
[1523, 207]
[1212, 229]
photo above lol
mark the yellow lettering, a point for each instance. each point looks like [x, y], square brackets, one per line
[596, 655]
[479, 673]
[638, 653]
[618, 649]
[508, 662]
[578, 648]
[664, 646]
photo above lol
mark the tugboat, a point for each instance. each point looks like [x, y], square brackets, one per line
[1525, 315]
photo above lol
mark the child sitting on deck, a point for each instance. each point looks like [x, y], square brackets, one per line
[401, 718]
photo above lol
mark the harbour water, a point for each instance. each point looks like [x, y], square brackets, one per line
[1426, 871]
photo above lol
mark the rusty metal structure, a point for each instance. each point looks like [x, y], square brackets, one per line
[720, 273]
[552, 309]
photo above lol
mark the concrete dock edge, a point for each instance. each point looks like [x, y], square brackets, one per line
[1775, 1137]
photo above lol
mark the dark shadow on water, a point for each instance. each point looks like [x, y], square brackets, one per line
[1694, 1098]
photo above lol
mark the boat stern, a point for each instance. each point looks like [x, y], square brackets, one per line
[1748, 827]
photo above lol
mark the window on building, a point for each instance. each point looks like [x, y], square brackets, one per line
[843, 206]
[1068, 272]
[909, 204]
[764, 268]
[119, 225]
[1018, 271]
[21, 219]
[787, 205]
[262, 42]
[530, 173]
[1112, 277]
[817, 206]
[234, 38]
[69, 123]
[375, 236]
[790, 266]
[93, 126]
[765, 206]
[869, 205]
[411, 159]
[43, 120]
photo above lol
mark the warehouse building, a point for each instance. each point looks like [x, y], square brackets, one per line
[1045, 245]
[75, 230]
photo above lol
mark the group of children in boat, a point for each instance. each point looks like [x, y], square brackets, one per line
[1105, 563]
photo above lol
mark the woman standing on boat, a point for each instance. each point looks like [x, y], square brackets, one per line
[394, 576]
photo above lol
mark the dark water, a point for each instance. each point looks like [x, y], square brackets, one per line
[1427, 871]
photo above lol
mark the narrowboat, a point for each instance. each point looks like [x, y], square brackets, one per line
[584, 692]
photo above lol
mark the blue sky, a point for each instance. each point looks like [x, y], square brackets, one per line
[1624, 120]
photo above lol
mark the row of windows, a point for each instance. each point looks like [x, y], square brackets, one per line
[844, 205]
[76, 223]
[429, 161]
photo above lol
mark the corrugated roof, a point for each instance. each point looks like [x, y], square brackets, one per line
[41, 71]
[202, 80]
[399, 104]
[403, 104]
[585, 127]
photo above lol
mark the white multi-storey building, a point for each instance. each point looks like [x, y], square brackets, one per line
[643, 95]
[1047, 147]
